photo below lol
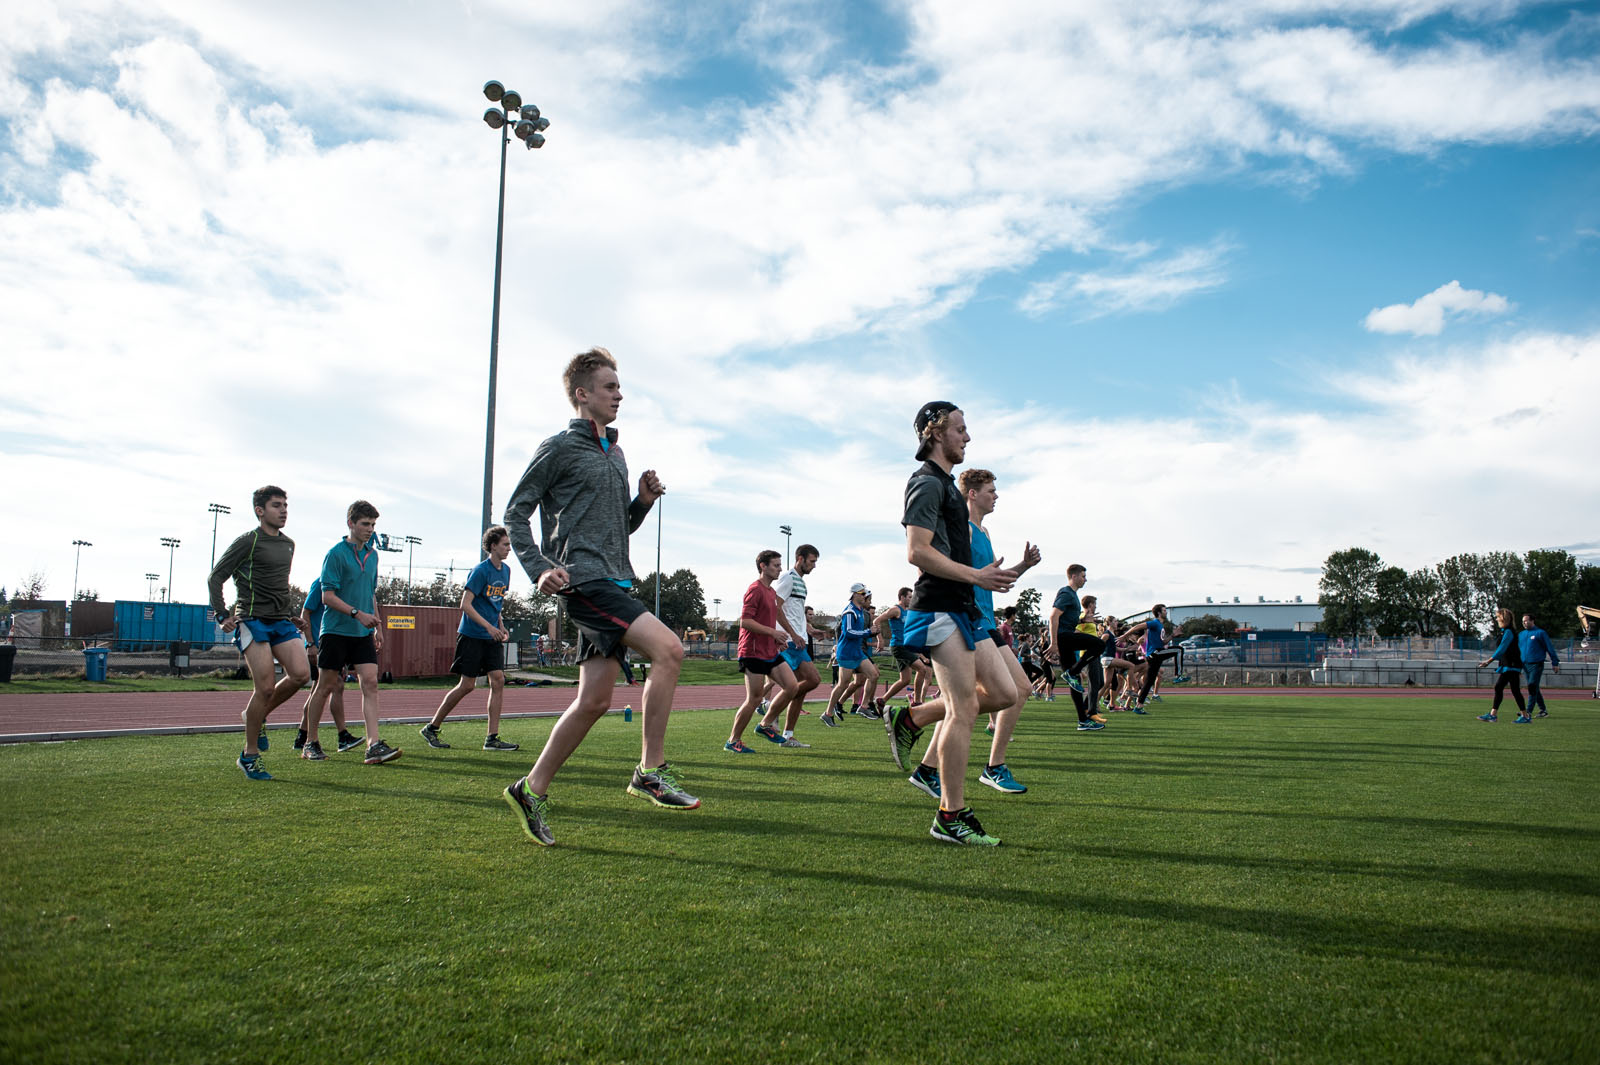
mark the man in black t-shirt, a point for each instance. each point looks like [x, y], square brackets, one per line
[942, 621]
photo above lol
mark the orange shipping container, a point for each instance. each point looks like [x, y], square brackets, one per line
[418, 641]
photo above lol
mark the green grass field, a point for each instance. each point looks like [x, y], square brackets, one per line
[1229, 879]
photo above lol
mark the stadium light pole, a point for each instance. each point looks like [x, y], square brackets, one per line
[411, 550]
[444, 589]
[787, 533]
[658, 558]
[76, 556]
[216, 509]
[151, 591]
[512, 116]
[171, 544]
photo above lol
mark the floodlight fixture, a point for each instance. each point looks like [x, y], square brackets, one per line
[494, 118]
[493, 90]
[512, 100]
[522, 129]
[530, 112]
[535, 140]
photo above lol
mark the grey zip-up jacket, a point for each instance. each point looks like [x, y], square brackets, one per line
[581, 492]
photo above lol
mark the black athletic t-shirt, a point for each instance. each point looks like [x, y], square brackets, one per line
[933, 502]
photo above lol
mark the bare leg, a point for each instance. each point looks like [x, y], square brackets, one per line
[806, 680]
[1006, 720]
[452, 698]
[367, 674]
[960, 673]
[655, 641]
[597, 678]
[753, 685]
[497, 695]
[268, 696]
[330, 684]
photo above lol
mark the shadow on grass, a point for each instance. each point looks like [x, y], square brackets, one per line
[1476, 879]
[1544, 950]
[1431, 824]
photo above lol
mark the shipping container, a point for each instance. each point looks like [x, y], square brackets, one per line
[151, 626]
[418, 641]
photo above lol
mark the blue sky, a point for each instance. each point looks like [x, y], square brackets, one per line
[1223, 288]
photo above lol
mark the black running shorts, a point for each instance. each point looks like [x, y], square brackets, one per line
[602, 612]
[340, 652]
[477, 657]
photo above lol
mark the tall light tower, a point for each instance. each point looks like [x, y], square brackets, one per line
[787, 531]
[152, 578]
[76, 555]
[78, 546]
[411, 549]
[171, 544]
[216, 509]
[512, 116]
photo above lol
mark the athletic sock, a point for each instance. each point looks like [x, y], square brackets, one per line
[788, 733]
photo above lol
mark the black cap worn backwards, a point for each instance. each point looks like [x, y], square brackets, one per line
[925, 417]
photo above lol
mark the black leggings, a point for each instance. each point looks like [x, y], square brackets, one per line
[1070, 643]
[1514, 679]
[1089, 702]
[1152, 666]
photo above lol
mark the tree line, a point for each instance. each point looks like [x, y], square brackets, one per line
[1361, 596]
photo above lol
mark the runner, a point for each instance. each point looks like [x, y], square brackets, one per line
[1156, 632]
[480, 641]
[758, 646]
[1535, 646]
[791, 591]
[914, 668]
[943, 620]
[267, 628]
[578, 481]
[351, 636]
[853, 654]
[311, 612]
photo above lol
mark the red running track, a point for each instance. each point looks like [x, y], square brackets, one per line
[92, 714]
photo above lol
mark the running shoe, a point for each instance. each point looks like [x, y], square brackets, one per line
[1181, 678]
[1542, 713]
[348, 742]
[903, 735]
[1090, 726]
[381, 752]
[961, 827]
[1075, 682]
[989, 728]
[1156, 698]
[533, 810]
[251, 764]
[738, 747]
[495, 743]
[925, 778]
[1523, 719]
[1000, 779]
[299, 739]
[1490, 717]
[767, 732]
[790, 741]
[661, 787]
[430, 732]
[1139, 709]
[829, 720]
[1097, 717]
[312, 752]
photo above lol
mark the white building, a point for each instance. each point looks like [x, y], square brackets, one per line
[1274, 614]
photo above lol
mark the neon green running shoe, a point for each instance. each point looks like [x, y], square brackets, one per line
[961, 827]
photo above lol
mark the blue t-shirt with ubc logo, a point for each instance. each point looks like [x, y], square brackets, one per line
[488, 584]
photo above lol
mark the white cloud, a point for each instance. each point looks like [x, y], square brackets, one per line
[1426, 316]
[235, 249]
[1150, 286]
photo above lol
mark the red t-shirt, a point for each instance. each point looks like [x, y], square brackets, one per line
[760, 606]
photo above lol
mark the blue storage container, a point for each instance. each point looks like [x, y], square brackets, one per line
[94, 663]
[152, 626]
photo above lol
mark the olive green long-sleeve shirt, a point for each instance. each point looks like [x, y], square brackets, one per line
[259, 565]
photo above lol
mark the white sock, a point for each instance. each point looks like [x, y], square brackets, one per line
[788, 733]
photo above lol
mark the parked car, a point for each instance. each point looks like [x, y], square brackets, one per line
[1198, 643]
